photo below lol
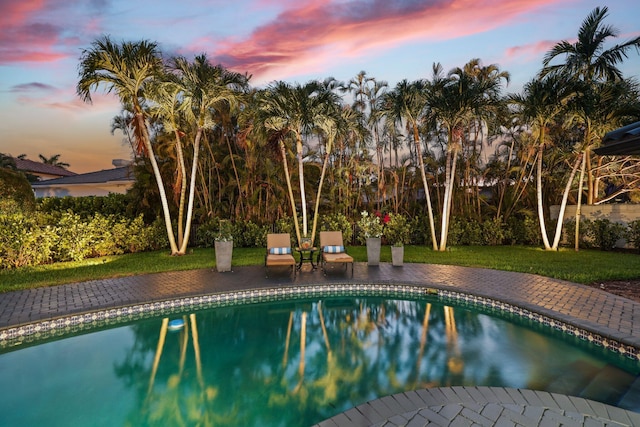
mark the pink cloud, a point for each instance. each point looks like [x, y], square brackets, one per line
[25, 37]
[303, 38]
[530, 51]
[41, 95]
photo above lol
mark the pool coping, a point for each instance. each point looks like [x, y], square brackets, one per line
[92, 320]
[481, 406]
[586, 312]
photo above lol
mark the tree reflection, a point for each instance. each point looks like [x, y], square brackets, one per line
[291, 361]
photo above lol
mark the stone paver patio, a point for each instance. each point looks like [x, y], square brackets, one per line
[608, 319]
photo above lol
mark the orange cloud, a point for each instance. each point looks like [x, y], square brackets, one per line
[303, 38]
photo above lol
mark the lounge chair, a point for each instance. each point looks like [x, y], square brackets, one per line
[279, 252]
[332, 251]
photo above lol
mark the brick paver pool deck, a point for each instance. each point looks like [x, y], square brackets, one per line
[606, 315]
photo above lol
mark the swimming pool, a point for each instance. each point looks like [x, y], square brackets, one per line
[293, 362]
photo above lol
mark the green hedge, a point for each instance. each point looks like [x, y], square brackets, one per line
[27, 240]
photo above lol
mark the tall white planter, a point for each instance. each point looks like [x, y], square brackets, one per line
[397, 256]
[224, 252]
[373, 250]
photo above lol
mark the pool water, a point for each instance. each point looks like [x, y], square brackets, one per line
[291, 364]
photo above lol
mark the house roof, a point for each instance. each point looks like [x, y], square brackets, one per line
[623, 142]
[41, 168]
[122, 174]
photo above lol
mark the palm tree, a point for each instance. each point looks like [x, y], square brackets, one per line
[374, 93]
[539, 105]
[272, 125]
[126, 69]
[346, 121]
[598, 108]
[588, 62]
[166, 95]
[587, 59]
[203, 89]
[407, 102]
[54, 161]
[465, 97]
[294, 111]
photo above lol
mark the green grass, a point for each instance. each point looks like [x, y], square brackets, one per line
[586, 266]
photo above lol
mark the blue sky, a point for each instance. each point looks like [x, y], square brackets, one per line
[291, 40]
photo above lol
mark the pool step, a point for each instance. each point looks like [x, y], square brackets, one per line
[609, 385]
[574, 379]
[631, 399]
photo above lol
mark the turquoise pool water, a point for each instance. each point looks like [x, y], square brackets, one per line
[291, 364]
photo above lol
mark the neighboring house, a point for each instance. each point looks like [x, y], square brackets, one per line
[41, 170]
[100, 183]
[621, 142]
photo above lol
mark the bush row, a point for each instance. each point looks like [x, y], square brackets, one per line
[603, 234]
[27, 240]
[54, 236]
[523, 231]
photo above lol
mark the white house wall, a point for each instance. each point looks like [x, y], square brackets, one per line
[82, 190]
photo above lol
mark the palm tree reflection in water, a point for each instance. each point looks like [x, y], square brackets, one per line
[295, 363]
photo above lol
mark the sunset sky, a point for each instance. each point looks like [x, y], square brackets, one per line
[291, 40]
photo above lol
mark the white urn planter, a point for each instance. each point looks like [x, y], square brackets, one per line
[397, 256]
[373, 250]
[224, 252]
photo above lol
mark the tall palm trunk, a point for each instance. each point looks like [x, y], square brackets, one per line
[319, 193]
[563, 205]
[156, 172]
[579, 205]
[303, 195]
[192, 187]
[182, 181]
[543, 228]
[450, 170]
[294, 211]
[416, 139]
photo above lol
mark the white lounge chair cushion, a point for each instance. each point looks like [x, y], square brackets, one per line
[280, 251]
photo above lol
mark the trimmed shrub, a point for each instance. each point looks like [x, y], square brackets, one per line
[397, 230]
[75, 238]
[23, 243]
[285, 225]
[569, 233]
[337, 222]
[523, 230]
[464, 232]
[15, 192]
[633, 234]
[604, 234]
[247, 234]
[493, 232]
[27, 240]
[87, 206]
[420, 230]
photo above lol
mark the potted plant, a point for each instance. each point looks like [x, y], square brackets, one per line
[370, 233]
[223, 242]
[397, 231]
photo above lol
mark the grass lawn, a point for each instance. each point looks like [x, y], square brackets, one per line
[586, 266]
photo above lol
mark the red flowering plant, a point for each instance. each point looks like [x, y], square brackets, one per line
[397, 230]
